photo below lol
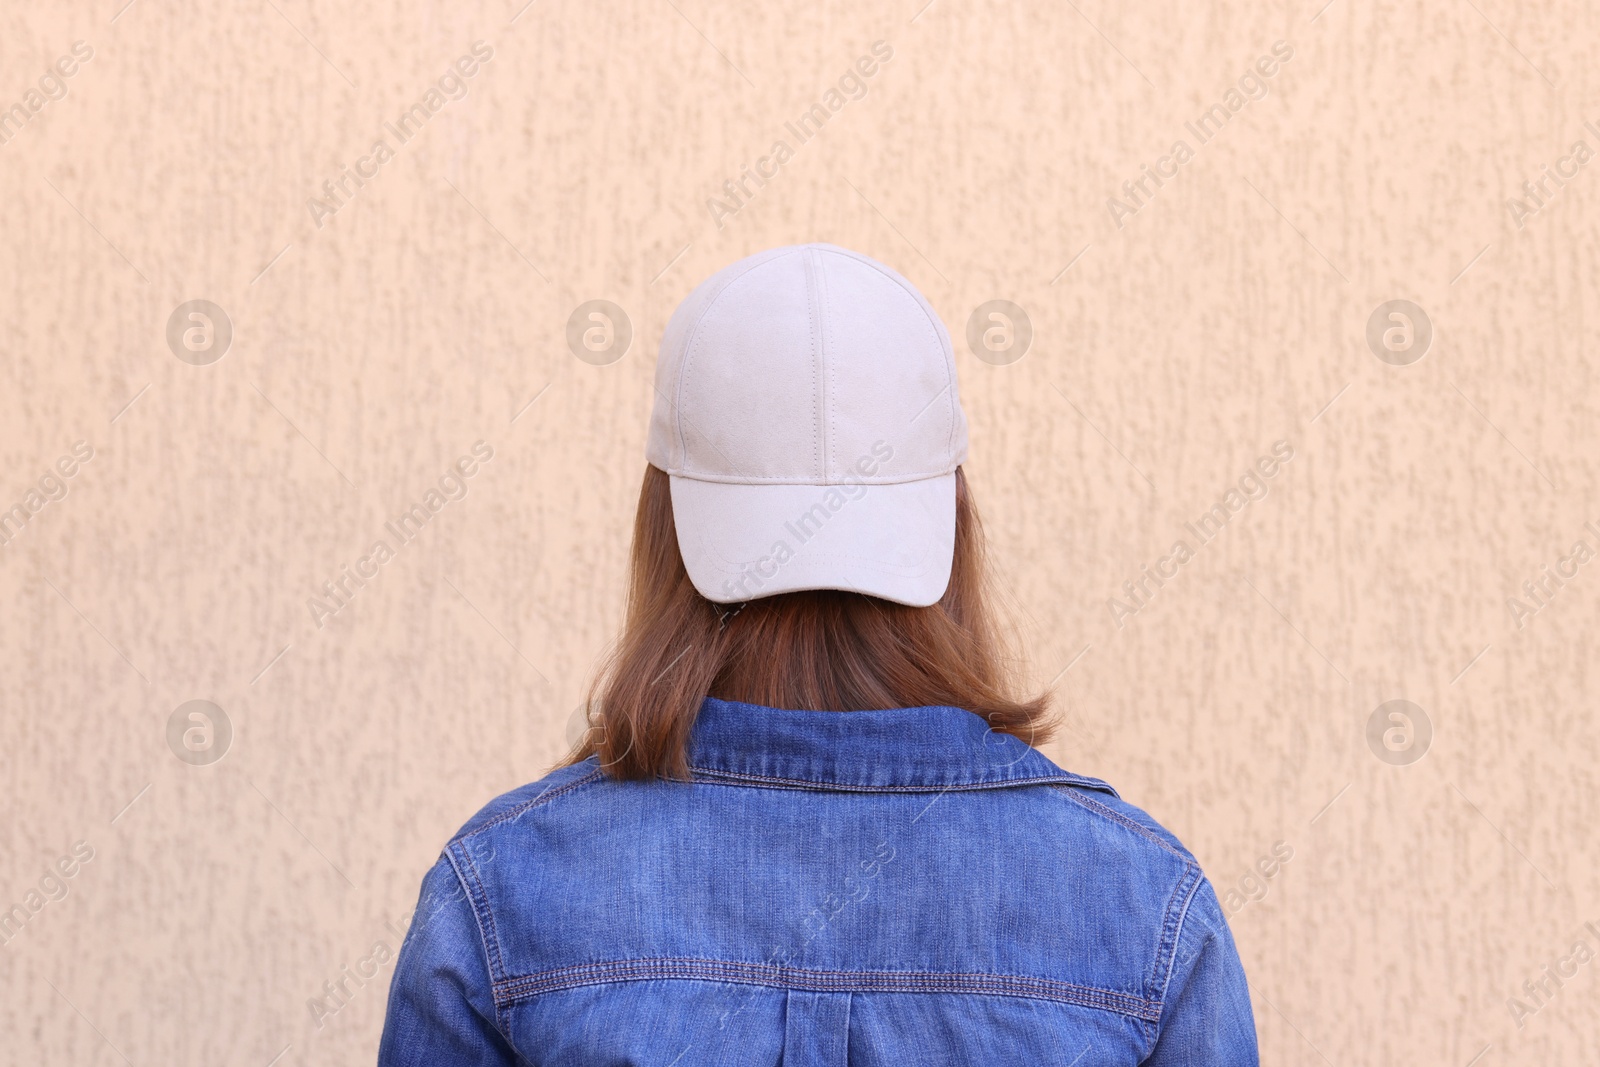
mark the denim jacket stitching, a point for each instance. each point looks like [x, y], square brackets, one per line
[507, 990]
[1171, 928]
[522, 987]
[1173, 931]
[488, 939]
[479, 897]
[721, 777]
[1174, 913]
[482, 911]
[1129, 824]
[544, 797]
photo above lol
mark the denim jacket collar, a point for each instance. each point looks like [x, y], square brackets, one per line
[926, 749]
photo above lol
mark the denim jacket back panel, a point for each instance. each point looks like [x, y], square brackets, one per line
[896, 887]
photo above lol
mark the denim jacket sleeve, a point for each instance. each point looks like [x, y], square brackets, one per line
[1206, 1018]
[441, 999]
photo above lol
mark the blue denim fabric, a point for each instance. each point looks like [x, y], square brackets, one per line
[880, 887]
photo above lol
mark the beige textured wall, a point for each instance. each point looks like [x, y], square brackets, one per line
[426, 313]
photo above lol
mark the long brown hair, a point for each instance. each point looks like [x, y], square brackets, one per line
[822, 650]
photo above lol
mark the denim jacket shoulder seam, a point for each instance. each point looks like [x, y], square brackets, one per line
[1173, 914]
[544, 797]
[1129, 824]
[461, 861]
[1177, 912]
[488, 939]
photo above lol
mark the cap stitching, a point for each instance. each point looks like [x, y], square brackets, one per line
[935, 327]
[930, 318]
[829, 369]
[818, 438]
[742, 479]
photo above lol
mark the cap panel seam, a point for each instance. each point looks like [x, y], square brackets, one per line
[819, 442]
[824, 390]
[830, 349]
[935, 326]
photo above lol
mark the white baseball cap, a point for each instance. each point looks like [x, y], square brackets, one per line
[806, 410]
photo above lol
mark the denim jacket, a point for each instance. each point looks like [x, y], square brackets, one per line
[880, 887]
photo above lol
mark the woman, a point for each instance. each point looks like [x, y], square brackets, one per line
[808, 825]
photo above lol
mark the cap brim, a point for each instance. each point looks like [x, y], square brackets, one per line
[742, 542]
